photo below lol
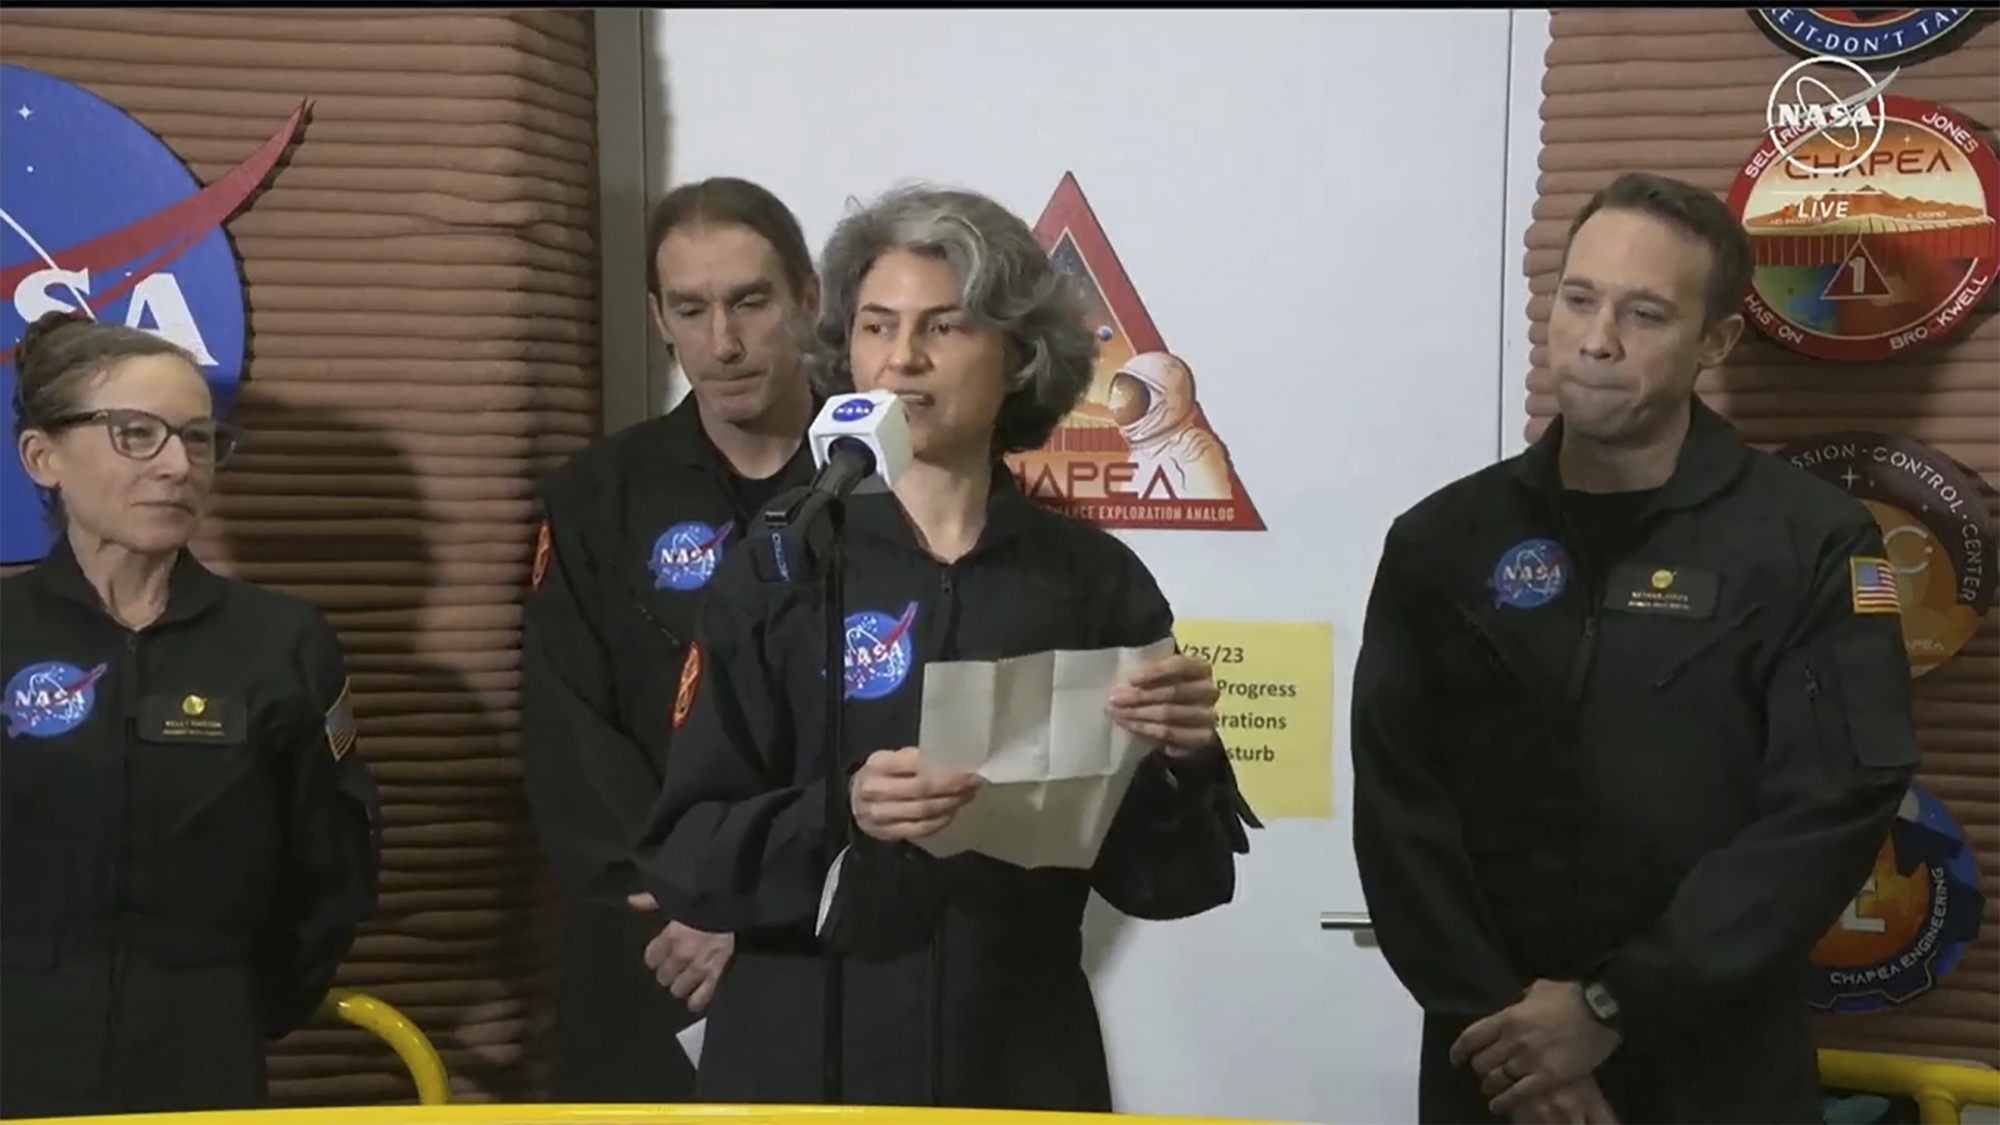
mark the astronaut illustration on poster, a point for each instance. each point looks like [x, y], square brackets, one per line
[1153, 402]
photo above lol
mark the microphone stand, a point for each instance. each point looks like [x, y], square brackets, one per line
[798, 538]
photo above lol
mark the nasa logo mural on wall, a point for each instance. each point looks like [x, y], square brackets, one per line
[1912, 921]
[1860, 34]
[97, 214]
[1936, 529]
[1880, 258]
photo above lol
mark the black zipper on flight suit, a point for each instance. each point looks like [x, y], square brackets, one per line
[947, 650]
[1588, 576]
[1583, 556]
[1817, 698]
[672, 638]
[128, 695]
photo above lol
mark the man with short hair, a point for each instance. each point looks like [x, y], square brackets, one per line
[632, 530]
[1631, 719]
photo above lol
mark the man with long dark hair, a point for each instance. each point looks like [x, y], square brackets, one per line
[632, 531]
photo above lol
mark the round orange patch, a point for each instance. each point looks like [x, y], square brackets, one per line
[690, 681]
[544, 549]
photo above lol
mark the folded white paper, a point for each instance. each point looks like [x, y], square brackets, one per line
[1056, 766]
[690, 1038]
[828, 891]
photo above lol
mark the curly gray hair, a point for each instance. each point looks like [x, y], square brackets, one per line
[1006, 281]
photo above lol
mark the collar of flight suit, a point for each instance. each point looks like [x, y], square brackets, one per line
[880, 516]
[1710, 457]
[192, 588]
[686, 443]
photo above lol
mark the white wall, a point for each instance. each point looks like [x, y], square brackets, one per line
[632, 132]
[1323, 211]
[1526, 68]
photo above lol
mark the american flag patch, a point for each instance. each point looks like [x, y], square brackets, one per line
[1874, 585]
[340, 724]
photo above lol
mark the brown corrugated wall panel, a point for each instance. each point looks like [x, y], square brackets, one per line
[1682, 93]
[422, 277]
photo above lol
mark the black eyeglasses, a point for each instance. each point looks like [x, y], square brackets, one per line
[141, 435]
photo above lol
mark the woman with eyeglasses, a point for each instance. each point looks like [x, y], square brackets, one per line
[188, 835]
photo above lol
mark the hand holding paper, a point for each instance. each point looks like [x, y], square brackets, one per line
[1055, 755]
[894, 798]
[1170, 701]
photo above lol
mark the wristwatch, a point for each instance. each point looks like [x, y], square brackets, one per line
[1602, 1004]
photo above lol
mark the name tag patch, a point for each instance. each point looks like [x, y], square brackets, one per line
[193, 717]
[1662, 590]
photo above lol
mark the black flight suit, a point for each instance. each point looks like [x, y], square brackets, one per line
[636, 524]
[1658, 750]
[189, 840]
[965, 980]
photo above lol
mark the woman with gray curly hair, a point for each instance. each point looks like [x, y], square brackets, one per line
[964, 977]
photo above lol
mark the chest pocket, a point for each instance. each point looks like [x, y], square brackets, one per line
[1682, 627]
[1468, 665]
[56, 796]
[1485, 663]
[195, 770]
[1496, 723]
[1022, 613]
[207, 793]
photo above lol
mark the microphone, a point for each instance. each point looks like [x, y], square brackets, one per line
[861, 443]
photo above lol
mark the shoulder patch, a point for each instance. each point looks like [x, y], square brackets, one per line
[340, 722]
[544, 549]
[690, 683]
[1872, 584]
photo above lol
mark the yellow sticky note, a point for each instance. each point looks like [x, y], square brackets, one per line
[1276, 710]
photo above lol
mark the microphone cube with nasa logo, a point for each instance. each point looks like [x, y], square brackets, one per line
[874, 419]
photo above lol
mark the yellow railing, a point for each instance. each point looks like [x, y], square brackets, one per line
[1940, 1089]
[637, 1115]
[394, 1028]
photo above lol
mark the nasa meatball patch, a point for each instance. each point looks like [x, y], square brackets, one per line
[50, 698]
[1530, 574]
[690, 683]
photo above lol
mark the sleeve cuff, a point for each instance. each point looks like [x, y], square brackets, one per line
[1209, 783]
[1638, 1006]
[1207, 769]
